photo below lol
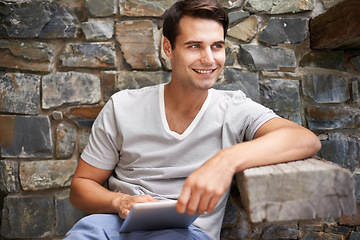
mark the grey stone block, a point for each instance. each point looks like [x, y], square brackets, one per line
[325, 88]
[89, 55]
[98, 30]
[12, 23]
[27, 217]
[101, 8]
[324, 59]
[342, 150]
[43, 19]
[9, 182]
[280, 6]
[46, 174]
[282, 96]
[25, 55]
[355, 61]
[237, 79]
[65, 140]
[332, 117]
[19, 93]
[133, 80]
[266, 58]
[26, 137]
[63, 22]
[284, 30]
[70, 87]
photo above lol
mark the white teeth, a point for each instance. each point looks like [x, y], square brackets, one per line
[203, 71]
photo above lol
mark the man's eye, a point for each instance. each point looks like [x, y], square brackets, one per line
[218, 46]
[194, 46]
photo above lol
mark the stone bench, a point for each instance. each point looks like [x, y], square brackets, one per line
[300, 190]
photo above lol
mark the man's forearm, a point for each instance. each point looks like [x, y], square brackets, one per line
[282, 145]
[91, 197]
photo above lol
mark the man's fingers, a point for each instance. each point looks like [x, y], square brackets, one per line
[183, 200]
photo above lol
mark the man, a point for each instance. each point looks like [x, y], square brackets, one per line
[182, 140]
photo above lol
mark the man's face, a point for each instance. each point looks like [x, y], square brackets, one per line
[199, 53]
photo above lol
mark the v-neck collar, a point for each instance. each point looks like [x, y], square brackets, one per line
[193, 124]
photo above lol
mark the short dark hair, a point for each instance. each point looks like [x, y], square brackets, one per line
[206, 9]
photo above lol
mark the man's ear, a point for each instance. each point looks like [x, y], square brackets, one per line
[167, 47]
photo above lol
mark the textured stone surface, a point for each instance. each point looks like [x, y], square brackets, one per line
[330, 3]
[38, 19]
[101, 8]
[284, 30]
[282, 96]
[305, 189]
[265, 58]
[236, 79]
[354, 236]
[336, 28]
[27, 217]
[237, 16]
[332, 117]
[325, 59]
[19, 93]
[144, 7]
[65, 140]
[69, 87]
[84, 134]
[139, 38]
[277, 231]
[91, 55]
[34, 34]
[13, 22]
[357, 188]
[46, 174]
[281, 6]
[245, 30]
[25, 55]
[355, 90]
[132, 80]
[84, 116]
[321, 236]
[325, 88]
[9, 183]
[231, 3]
[355, 61]
[66, 214]
[24, 136]
[98, 30]
[342, 150]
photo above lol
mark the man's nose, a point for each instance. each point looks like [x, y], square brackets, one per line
[207, 56]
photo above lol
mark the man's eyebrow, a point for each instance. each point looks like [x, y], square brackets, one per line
[192, 42]
[199, 42]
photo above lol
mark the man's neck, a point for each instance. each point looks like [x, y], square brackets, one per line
[184, 100]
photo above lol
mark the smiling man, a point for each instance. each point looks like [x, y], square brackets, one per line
[179, 141]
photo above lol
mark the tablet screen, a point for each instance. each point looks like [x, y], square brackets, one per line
[155, 216]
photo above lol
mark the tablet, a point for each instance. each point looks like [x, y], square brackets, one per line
[155, 216]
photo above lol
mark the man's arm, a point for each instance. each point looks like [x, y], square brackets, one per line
[88, 194]
[276, 141]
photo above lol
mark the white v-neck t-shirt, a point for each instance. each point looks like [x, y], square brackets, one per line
[131, 135]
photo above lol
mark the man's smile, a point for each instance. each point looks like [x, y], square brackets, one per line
[204, 71]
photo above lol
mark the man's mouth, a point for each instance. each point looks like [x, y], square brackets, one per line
[204, 71]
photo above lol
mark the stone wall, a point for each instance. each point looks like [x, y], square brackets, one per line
[61, 61]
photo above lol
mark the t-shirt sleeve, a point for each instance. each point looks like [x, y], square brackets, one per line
[103, 148]
[244, 117]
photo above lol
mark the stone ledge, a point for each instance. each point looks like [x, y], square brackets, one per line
[299, 190]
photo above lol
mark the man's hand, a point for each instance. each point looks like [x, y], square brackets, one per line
[123, 203]
[204, 187]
